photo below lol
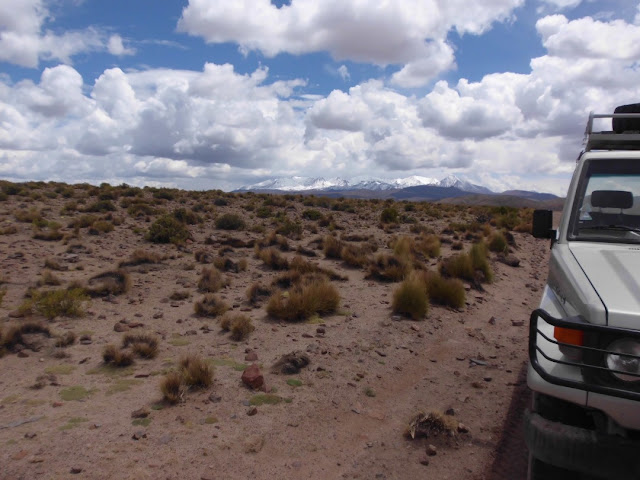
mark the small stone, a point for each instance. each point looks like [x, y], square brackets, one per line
[462, 428]
[75, 470]
[492, 321]
[424, 461]
[138, 435]
[141, 413]
[19, 455]
[432, 450]
[253, 444]
[251, 357]
[30, 435]
[252, 411]
[450, 411]
[517, 323]
[320, 330]
[120, 327]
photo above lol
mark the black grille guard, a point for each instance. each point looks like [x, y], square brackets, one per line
[579, 323]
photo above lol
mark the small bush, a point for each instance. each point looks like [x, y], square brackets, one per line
[187, 216]
[167, 229]
[230, 221]
[55, 303]
[173, 387]
[196, 372]
[101, 206]
[13, 336]
[210, 306]
[211, 280]
[389, 215]
[311, 214]
[49, 278]
[317, 296]
[177, 296]
[458, 266]
[410, 298]
[65, 340]
[53, 264]
[101, 226]
[480, 261]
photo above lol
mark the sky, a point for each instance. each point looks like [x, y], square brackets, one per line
[216, 94]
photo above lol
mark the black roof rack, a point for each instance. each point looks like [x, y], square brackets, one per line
[610, 140]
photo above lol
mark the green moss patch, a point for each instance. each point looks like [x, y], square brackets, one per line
[294, 382]
[265, 399]
[122, 385]
[73, 422]
[60, 369]
[227, 362]
[75, 393]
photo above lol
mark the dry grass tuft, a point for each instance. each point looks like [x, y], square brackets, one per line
[389, 268]
[258, 292]
[173, 387]
[210, 306]
[272, 258]
[310, 297]
[432, 424]
[196, 372]
[112, 355]
[108, 283]
[211, 280]
[140, 257]
[410, 298]
[444, 291]
[142, 344]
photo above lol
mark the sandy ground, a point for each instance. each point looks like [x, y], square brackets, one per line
[370, 371]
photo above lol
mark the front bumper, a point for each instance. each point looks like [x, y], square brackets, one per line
[545, 363]
[582, 450]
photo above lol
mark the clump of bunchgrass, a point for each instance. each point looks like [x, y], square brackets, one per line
[239, 325]
[272, 258]
[210, 306]
[140, 257]
[173, 387]
[196, 372]
[142, 344]
[389, 268]
[498, 242]
[257, 292]
[444, 291]
[315, 296]
[410, 298]
[211, 280]
[114, 356]
[108, 283]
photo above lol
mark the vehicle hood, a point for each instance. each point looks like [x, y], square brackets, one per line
[614, 272]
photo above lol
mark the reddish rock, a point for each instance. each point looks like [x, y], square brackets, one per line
[252, 376]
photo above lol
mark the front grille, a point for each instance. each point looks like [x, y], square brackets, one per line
[596, 376]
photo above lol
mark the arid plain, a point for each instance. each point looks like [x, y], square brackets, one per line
[388, 314]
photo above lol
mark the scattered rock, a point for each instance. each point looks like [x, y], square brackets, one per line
[120, 327]
[138, 435]
[75, 470]
[251, 357]
[143, 412]
[424, 461]
[492, 320]
[510, 260]
[252, 376]
[432, 450]
[517, 323]
[252, 411]
[291, 363]
[253, 444]
[462, 428]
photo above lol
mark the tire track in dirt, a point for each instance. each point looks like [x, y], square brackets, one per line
[512, 454]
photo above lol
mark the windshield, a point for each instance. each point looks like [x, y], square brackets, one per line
[607, 205]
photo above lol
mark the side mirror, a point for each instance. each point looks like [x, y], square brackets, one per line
[543, 224]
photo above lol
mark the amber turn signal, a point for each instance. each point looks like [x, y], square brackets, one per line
[568, 335]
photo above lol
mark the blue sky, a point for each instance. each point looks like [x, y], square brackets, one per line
[217, 94]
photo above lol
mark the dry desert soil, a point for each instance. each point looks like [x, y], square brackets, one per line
[82, 269]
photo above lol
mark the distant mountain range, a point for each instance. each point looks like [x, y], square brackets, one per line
[450, 189]
[303, 184]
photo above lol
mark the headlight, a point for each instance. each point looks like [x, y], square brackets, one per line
[624, 363]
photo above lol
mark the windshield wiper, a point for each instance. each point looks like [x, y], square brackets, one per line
[622, 228]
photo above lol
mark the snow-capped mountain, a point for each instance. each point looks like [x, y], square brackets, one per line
[301, 184]
[465, 186]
